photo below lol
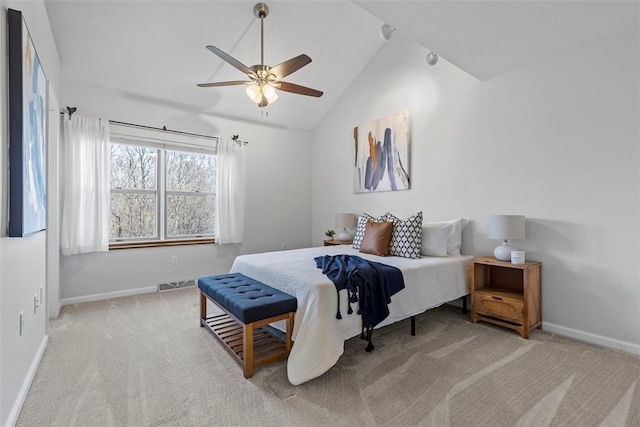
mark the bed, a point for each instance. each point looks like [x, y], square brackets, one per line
[318, 336]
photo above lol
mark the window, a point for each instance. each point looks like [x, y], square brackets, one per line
[161, 193]
[190, 200]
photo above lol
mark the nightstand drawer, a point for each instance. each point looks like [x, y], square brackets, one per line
[499, 306]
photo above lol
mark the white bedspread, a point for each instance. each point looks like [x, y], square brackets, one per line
[318, 336]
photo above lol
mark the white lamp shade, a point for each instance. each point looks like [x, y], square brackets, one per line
[506, 227]
[345, 220]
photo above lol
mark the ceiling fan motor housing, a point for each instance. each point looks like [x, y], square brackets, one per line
[261, 10]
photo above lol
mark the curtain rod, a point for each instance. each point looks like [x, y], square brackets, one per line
[72, 110]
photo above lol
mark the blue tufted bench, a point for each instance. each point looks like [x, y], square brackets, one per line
[248, 305]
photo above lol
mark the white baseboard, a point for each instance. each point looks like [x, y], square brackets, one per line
[26, 384]
[592, 338]
[107, 295]
[54, 310]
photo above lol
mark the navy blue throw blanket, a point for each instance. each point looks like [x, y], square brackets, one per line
[367, 282]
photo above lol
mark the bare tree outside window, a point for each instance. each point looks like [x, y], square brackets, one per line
[133, 167]
[133, 216]
[190, 201]
[189, 193]
[133, 192]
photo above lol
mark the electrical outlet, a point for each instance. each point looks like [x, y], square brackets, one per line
[21, 322]
[284, 246]
[174, 259]
[35, 304]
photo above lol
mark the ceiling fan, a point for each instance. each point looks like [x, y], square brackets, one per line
[263, 79]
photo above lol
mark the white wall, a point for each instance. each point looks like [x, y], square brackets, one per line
[53, 208]
[556, 141]
[278, 199]
[22, 260]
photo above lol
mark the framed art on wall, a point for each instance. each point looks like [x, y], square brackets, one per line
[382, 154]
[27, 131]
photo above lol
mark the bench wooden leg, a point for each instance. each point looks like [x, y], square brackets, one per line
[289, 331]
[203, 309]
[247, 349]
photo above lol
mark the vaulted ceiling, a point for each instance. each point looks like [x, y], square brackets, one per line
[156, 49]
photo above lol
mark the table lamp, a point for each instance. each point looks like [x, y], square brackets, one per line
[345, 220]
[505, 227]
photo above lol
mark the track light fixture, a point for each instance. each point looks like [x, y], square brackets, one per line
[386, 31]
[431, 58]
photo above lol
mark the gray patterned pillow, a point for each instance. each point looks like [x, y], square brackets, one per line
[406, 238]
[362, 222]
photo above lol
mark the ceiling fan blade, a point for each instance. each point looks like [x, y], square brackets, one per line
[229, 83]
[287, 67]
[301, 90]
[231, 60]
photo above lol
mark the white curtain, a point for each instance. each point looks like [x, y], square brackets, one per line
[229, 192]
[85, 185]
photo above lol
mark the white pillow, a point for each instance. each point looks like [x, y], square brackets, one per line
[454, 243]
[435, 239]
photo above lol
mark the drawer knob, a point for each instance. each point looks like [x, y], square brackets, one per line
[498, 298]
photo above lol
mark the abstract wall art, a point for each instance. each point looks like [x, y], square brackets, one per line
[27, 132]
[382, 154]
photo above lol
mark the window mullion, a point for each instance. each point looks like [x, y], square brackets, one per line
[189, 193]
[132, 191]
[162, 205]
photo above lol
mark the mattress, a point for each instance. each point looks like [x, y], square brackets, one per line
[318, 336]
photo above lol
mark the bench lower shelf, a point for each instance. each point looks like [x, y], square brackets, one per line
[265, 344]
[263, 349]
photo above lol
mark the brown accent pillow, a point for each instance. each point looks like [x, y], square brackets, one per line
[377, 237]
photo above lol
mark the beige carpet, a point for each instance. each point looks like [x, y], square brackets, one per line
[144, 361]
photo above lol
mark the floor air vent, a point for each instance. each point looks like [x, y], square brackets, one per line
[176, 285]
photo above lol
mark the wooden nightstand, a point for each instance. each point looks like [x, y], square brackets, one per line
[506, 294]
[337, 242]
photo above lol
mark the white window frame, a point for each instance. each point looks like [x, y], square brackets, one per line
[145, 138]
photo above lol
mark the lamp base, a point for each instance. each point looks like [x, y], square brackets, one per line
[344, 236]
[503, 252]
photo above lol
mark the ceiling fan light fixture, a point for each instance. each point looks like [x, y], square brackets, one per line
[269, 92]
[386, 31]
[259, 93]
[254, 93]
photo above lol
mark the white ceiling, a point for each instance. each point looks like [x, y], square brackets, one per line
[156, 49]
[488, 38]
